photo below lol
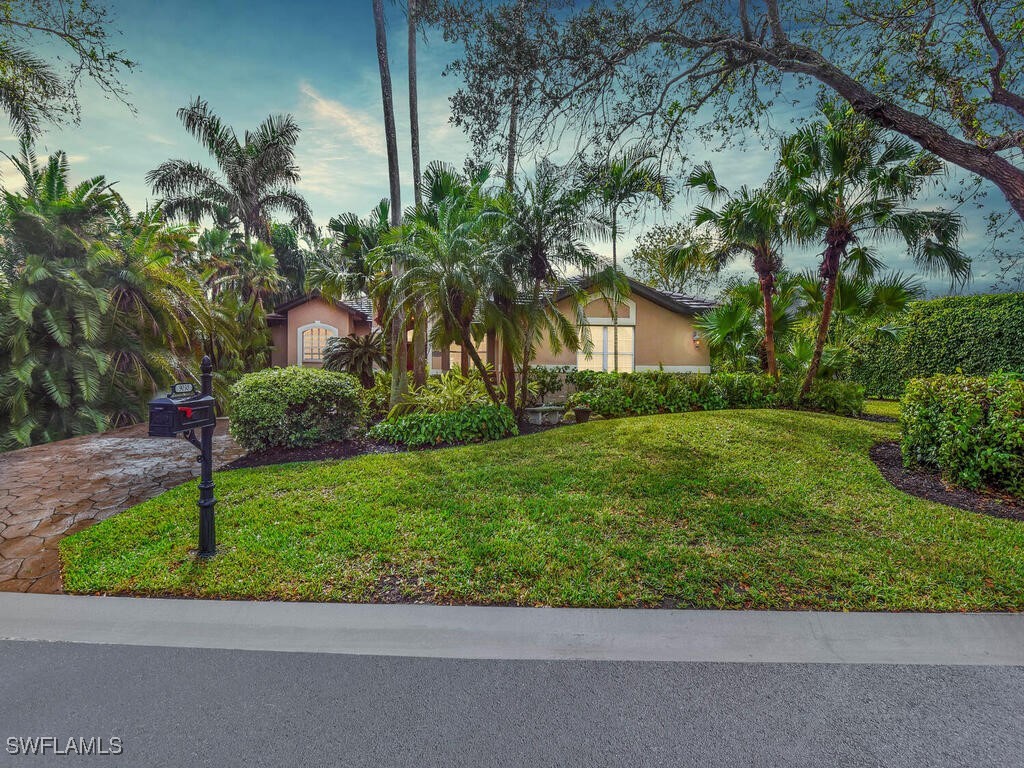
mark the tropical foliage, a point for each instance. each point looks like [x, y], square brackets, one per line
[93, 309]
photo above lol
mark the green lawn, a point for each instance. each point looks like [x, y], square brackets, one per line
[727, 509]
[882, 408]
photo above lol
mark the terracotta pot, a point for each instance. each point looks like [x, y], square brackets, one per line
[582, 414]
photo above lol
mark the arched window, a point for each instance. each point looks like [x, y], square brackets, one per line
[312, 339]
[600, 326]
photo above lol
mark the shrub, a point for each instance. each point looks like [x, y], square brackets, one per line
[975, 335]
[548, 380]
[637, 394]
[842, 397]
[295, 407]
[970, 428]
[445, 393]
[378, 397]
[469, 424]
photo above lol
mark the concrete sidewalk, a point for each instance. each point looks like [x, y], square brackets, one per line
[521, 633]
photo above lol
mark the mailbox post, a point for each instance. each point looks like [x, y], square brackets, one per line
[182, 412]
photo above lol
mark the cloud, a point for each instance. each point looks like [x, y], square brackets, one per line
[156, 138]
[348, 125]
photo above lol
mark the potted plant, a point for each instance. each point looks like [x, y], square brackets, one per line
[580, 409]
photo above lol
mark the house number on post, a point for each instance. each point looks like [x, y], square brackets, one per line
[182, 412]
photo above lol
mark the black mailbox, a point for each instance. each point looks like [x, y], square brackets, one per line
[180, 411]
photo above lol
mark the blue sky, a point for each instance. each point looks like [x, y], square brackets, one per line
[316, 60]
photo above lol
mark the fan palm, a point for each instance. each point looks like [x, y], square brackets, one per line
[845, 180]
[748, 223]
[257, 174]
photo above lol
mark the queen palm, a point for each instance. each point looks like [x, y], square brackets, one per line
[255, 177]
[845, 180]
[748, 223]
[620, 186]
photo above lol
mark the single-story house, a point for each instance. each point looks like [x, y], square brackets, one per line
[300, 328]
[655, 329]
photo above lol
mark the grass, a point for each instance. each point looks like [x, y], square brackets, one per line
[889, 408]
[727, 509]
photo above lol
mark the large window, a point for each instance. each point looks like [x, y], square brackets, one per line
[314, 339]
[602, 358]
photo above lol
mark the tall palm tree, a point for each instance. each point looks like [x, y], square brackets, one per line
[845, 180]
[748, 223]
[256, 175]
[399, 375]
[26, 83]
[620, 186]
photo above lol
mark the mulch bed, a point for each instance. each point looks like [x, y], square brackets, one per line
[346, 449]
[929, 485]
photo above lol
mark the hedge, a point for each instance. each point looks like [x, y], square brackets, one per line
[974, 335]
[637, 394]
[969, 427]
[295, 407]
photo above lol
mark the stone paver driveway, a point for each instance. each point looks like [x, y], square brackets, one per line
[49, 491]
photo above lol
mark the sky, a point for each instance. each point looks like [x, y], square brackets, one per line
[317, 60]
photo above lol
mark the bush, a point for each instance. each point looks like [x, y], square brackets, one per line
[295, 407]
[970, 428]
[975, 335]
[843, 397]
[638, 394]
[469, 424]
[378, 397]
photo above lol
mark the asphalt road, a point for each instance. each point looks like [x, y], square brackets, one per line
[209, 707]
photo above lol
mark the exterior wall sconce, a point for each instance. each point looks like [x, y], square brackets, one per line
[696, 339]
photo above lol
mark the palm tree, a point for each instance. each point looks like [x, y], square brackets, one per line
[26, 83]
[357, 355]
[447, 266]
[399, 375]
[845, 180]
[544, 227]
[350, 264]
[257, 175]
[93, 317]
[620, 186]
[748, 223]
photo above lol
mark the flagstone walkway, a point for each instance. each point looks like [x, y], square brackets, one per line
[49, 491]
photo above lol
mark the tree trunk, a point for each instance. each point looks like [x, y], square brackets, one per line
[414, 117]
[524, 374]
[819, 343]
[513, 136]
[508, 375]
[420, 361]
[467, 347]
[615, 309]
[399, 374]
[767, 280]
[464, 359]
[835, 247]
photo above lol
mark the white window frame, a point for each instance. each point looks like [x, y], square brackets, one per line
[604, 346]
[300, 347]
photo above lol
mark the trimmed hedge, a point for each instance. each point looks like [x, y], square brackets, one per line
[970, 428]
[295, 407]
[974, 335]
[638, 394]
[472, 423]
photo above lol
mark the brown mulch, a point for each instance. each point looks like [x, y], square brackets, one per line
[929, 485]
[346, 449]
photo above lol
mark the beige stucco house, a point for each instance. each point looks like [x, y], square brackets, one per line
[656, 330]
